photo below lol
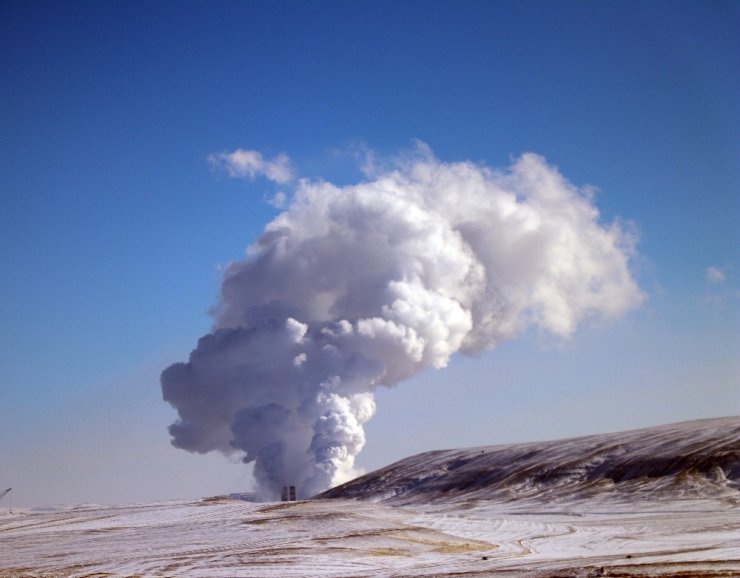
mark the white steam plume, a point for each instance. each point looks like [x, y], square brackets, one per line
[362, 286]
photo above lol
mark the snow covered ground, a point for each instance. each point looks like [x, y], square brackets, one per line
[685, 522]
[350, 538]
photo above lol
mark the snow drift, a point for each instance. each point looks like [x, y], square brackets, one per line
[359, 286]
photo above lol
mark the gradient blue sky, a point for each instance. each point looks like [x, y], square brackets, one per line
[114, 228]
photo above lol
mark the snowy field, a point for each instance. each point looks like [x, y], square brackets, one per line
[348, 538]
[657, 502]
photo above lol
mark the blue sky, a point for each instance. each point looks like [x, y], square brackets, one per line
[115, 228]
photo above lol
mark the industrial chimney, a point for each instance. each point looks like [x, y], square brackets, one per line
[288, 494]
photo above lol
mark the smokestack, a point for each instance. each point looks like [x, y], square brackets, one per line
[288, 494]
[361, 286]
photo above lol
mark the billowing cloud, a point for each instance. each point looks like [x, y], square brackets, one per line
[250, 164]
[361, 286]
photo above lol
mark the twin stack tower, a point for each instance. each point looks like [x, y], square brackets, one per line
[288, 494]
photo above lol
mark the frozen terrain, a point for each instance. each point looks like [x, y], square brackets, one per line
[698, 459]
[656, 502]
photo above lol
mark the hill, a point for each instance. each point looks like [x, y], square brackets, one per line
[692, 459]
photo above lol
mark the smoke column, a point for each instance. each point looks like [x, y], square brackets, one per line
[361, 286]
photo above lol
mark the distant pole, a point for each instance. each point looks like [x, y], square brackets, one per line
[3, 494]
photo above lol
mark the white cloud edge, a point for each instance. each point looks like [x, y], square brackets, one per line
[250, 164]
[715, 275]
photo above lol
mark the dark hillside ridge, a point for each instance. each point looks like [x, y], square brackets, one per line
[693, 459]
